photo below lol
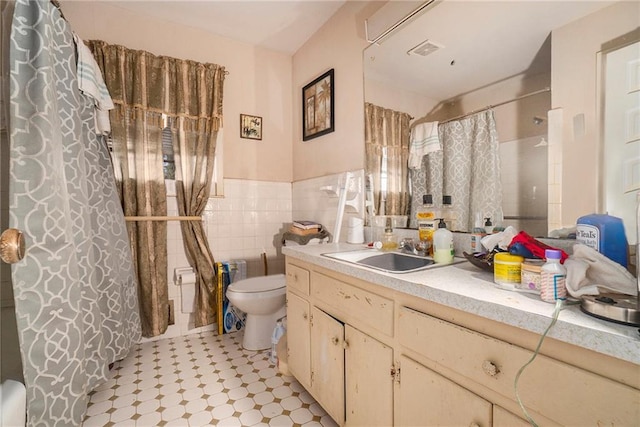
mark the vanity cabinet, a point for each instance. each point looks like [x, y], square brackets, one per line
[426, 398]
[371, 355]
[346, 370]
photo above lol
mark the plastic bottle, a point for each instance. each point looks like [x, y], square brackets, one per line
[488, 226]
[605, 234]
[553, 277]
[442, 244]
[477, 233]
[278, 331]
[389, 240]
[448, 213]
[426, 217]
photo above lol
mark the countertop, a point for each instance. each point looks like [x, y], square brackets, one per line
[467, 288]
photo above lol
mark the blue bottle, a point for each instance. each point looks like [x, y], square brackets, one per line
[605, 234]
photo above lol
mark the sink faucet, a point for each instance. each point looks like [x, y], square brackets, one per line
[407, 245]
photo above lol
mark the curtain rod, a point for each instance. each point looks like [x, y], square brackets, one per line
[517, 98]
[163, 218]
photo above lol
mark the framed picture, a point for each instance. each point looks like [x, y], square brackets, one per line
[250, 126]
[317, 107]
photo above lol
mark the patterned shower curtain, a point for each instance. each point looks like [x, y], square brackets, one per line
[467, 168]
[75, 291]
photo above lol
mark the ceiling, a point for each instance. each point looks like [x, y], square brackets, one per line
[279, 25]
[482, 42]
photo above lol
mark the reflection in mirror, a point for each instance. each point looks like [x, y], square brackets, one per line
[456, 59]
[620, 76]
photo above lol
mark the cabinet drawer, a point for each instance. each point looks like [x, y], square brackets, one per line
[564, 393]
[368, 308]
[298, 279]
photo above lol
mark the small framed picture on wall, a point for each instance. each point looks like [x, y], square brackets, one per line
[318, 107]
[250, 126]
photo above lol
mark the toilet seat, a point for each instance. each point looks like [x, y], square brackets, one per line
[259, 284]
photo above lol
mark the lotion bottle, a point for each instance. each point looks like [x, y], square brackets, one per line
[443, 244]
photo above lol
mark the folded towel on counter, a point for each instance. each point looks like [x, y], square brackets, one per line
[589, 273]
[424, 140]
[91, 83]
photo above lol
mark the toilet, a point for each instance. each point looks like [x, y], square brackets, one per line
[263, 300]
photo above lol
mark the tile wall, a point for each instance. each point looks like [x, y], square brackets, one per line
[316, 199]
[250, 220]
[243, 224]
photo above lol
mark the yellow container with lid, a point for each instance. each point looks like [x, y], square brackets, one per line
[507, 270]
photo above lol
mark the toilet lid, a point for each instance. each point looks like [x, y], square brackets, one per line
[259, 284]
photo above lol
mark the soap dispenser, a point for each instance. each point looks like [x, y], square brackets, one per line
[488, 226]
[389, 240]
[443, 244]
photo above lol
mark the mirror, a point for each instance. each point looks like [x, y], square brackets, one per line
[457, 57]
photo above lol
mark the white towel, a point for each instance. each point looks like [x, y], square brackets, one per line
[424, 140]
[90, 82]
[589, 272]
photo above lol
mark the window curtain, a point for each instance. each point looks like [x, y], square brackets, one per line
[145, 88]
[75, 291]
[467, 168]
[387, 156]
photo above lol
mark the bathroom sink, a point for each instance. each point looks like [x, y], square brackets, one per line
[391, 262]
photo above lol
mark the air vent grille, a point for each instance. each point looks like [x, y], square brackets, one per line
[425, 48]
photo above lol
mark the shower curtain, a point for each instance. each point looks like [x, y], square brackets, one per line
[467, 168]
[75, 291]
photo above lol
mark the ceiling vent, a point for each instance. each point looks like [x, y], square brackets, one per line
[425, 48]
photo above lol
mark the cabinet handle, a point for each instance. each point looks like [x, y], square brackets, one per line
[474, 425]
[345, 344]
[305, 316]
[335, 340]
[490, 368]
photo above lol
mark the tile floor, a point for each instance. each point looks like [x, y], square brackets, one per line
[201, 380]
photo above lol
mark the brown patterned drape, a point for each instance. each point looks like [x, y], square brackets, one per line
[388, 131]
[145, 89]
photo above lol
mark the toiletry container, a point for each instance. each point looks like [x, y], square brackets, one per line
[605, 234]
[442, 244]
[530, 275]
[488, 226]
[426, 217]
[477, 233]
[553, 277]
[507, 270]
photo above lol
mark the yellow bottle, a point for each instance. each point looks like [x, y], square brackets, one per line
[426, 217]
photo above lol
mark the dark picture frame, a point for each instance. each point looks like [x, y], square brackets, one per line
[250, 126]
[318, 107]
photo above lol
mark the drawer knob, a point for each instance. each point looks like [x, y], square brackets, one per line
[474, 425]
[305, 316]
[335, 340]
[490, 368]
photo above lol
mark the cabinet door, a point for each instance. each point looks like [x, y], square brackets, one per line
[504, 418]
[327, 363]
[368, 381]
[299, 338]
[426, 398]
